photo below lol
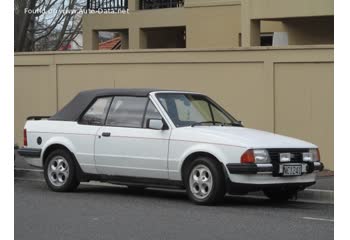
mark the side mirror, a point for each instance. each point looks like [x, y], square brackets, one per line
[156, 124]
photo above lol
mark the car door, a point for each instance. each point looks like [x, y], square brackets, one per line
[126, 147]
[84, 133]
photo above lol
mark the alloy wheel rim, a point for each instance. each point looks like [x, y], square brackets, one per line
[58, 171]
[201, 181]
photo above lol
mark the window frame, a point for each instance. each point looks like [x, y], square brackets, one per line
[149, 99]
[165, 124]
[143, 114]
[211, 102]
[89, 106]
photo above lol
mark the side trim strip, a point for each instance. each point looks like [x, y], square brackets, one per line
[30, 152]
[242, 168]
[128, 180]
[248, 168]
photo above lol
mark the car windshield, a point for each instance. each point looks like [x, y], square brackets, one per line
[194, 109]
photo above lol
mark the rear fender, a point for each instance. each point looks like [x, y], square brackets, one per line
[58, 140]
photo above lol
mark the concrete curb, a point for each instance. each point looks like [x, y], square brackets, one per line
[308, 195]
[319, 195]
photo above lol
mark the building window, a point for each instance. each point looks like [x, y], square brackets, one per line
[266, 39]
[113, 40]
[168, 37]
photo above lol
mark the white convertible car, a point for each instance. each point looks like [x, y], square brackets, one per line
[173, 139]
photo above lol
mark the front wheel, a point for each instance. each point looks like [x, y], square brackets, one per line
[205, 181]
[59, 171]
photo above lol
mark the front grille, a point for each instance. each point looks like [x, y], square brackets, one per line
[297, 154]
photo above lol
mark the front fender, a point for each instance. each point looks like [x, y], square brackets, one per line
[211, 149]
[180, 151]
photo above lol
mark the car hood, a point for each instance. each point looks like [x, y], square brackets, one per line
[240, 136]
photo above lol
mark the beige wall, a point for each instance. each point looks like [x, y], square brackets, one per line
[272, 9]
[211, 27]
[286, 90]
[304, 107]
[208, 24]
[222, 23]
[310, 31]
[35, 94]
[307, 21]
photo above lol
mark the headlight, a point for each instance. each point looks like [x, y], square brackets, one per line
[312, 156]
[285, 157]
[261, 156]
[255, 156]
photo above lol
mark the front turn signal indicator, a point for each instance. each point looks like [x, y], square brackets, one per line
[25, 141]
[248, 157]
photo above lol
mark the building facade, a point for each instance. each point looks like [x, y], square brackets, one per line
[211, 23]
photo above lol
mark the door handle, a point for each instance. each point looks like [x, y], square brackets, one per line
[106, 134]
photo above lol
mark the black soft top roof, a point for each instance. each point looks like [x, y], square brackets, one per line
[73, 110]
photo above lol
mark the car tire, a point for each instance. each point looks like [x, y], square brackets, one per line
[280, 195]
[59, 171]
[205, 181]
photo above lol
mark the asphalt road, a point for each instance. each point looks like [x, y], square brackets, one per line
[104, 212]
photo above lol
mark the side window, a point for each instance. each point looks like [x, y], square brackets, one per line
[96, 114]
[151, 113]
[127, 112]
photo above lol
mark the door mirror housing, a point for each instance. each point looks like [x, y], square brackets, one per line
[156, 124]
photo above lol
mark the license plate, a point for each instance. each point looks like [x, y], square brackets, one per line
[292, 170]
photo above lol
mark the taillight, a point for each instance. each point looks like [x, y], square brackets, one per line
[25, 142]
[248, 157]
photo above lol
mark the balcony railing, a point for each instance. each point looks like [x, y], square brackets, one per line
[110, 5]
[118, 5]
[154, 4]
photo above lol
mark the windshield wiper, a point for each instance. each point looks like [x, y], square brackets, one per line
[201, 123]
[233, 124]
[214, 124]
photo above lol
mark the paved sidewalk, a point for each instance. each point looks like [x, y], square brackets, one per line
[324, 183]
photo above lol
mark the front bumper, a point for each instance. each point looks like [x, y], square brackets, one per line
[244, 178]
[269, 168]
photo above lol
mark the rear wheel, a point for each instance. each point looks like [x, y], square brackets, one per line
[280, 195]
[59, 171]
[205, 182]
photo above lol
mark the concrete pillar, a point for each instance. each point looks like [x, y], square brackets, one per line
[134, 38]
[90, 39]
[250, 27]
[254, 33]
[133, 5]
[143, 39]
[124, 39]
[251, 33]
[137, 38]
